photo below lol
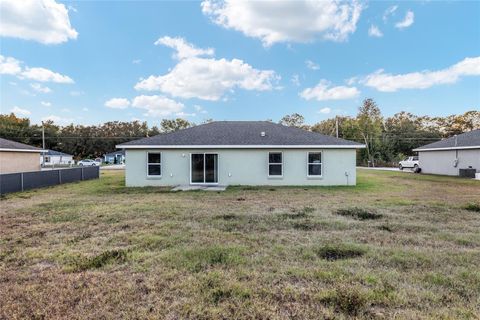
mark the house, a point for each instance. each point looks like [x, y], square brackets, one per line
[240, 153]
[18, 157]
[52, 157]
[450, 155]
[115, 157]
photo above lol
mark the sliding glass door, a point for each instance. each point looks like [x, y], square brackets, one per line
[204, 168]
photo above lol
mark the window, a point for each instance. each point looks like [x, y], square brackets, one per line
[314, 164]
[154, 164]
[275, 164]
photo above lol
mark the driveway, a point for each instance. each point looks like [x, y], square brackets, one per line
[387, 169]
[113, 167]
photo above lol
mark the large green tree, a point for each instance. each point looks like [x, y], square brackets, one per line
[170, 125]
[369, 129]
[294, 120]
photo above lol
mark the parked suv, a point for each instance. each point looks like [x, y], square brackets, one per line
[88, 163]
[410, 162]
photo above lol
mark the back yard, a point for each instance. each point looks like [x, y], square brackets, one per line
[396, 246]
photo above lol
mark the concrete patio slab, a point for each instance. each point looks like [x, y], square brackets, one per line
[204, 188]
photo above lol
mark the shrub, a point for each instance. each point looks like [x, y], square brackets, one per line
[334, 252]
[358, 213]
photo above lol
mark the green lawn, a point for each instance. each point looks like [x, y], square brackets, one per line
[397, 245]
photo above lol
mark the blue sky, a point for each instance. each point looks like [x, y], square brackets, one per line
[147, 60]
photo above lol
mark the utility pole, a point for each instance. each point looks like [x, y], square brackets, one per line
[43, 145]
[336, 125]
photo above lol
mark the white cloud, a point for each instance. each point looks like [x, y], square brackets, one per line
[45, 75]
[183, 48]
[325, 110]
[421, 80]
[9, 65]
[157, 106]
[208, 78]
[20, 111]
[58, 120]
[117, 103]
[76, 93]
[296, 80]
[44, 21]
[374, 31]
[39, 88]
[85, 109]
[12, 66]
[46, 104]
[72, 8]
[407, 21]
[389, 12]
[136, 61]
[199, 109]
[184, 114]
[323, 91]
[312, 65]
[286, 21]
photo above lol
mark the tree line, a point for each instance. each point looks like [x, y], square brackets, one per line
[387, 139]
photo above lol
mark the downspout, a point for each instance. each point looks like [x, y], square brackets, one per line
[455, 162]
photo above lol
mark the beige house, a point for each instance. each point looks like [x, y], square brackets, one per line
[18, 157]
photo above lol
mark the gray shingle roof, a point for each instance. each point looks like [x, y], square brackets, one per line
[13, 145]
[465, 140]
[241, 133]
[122, 152]
[55, 153]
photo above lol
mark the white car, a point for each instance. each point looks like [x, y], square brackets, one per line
[410, 162]
[88, 163]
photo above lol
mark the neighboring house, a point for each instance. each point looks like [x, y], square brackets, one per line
[52, 157]
[449, 155]
[240, 153]
[18, 157]
[115, 157]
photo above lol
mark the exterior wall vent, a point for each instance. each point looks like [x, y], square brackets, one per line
[262, 134]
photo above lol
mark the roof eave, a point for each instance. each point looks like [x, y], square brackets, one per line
[359, 146]
[22, 150]
[446, 148]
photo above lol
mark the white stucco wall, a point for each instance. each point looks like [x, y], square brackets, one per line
[441, 162]
[244, 167]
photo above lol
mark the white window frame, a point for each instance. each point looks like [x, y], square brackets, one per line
[274, 163]
[160, 164]
[309, 163]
